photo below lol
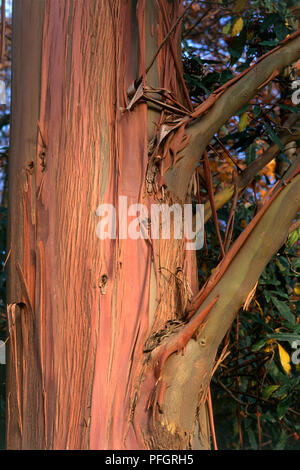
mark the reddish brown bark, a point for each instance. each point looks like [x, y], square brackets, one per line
[87, 342]
[90, 318]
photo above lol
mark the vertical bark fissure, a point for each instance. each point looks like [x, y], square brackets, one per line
[90, 379]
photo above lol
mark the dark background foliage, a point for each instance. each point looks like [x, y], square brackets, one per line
[256, 388]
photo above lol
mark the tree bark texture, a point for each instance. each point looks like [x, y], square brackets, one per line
[95, 324]
[76, 350]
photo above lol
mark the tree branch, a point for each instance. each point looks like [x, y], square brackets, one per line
[249, 173]
[247, 264]
[193, 370]
[224, 103]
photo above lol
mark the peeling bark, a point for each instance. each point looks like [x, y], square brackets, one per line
[87, 341]
[90, 318]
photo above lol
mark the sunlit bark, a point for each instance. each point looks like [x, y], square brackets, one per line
[86, 368]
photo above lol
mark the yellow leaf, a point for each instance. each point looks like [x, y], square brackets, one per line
[243, 122]
[237, 27]
[297, 289]
[284, 359]
[269, 345]
[259, 308]
[225, 156]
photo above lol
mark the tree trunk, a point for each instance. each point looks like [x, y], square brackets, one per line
[86, 368]
[76, 349]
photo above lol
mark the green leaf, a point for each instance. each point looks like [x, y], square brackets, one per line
[282, 264]
[226, 28]
[224, 130]
[283, 309]
[281, 31]
[283, 406]
[256, 347]
[296, 264]
[225, 76]
[267, 296]
[290, 337]
[268, 416]
[293, 109]
[268, 43]
[281, 294]
[282, 441]
[275, 373]
[269, 21]
[268, 391]
[237, 46]
[251, 153]
[273, 136]
[293, 237]
[256, 110]
[285, 389]
[252, 439]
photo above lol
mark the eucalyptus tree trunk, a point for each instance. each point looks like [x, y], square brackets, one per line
[95, 323]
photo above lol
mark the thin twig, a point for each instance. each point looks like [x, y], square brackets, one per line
[230, 223]
[230, 392]
[190, 29]
[6, 259]
[258, 427]
[165, 105]
[209, 182]
[175, 57]
[234, 161]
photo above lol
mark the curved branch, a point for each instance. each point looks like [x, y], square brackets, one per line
[247, 265]
[179, 340]
[242, 239]
[193, 370]
[286, 211]
[223, 104]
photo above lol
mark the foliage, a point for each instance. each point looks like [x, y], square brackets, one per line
[257, 385]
